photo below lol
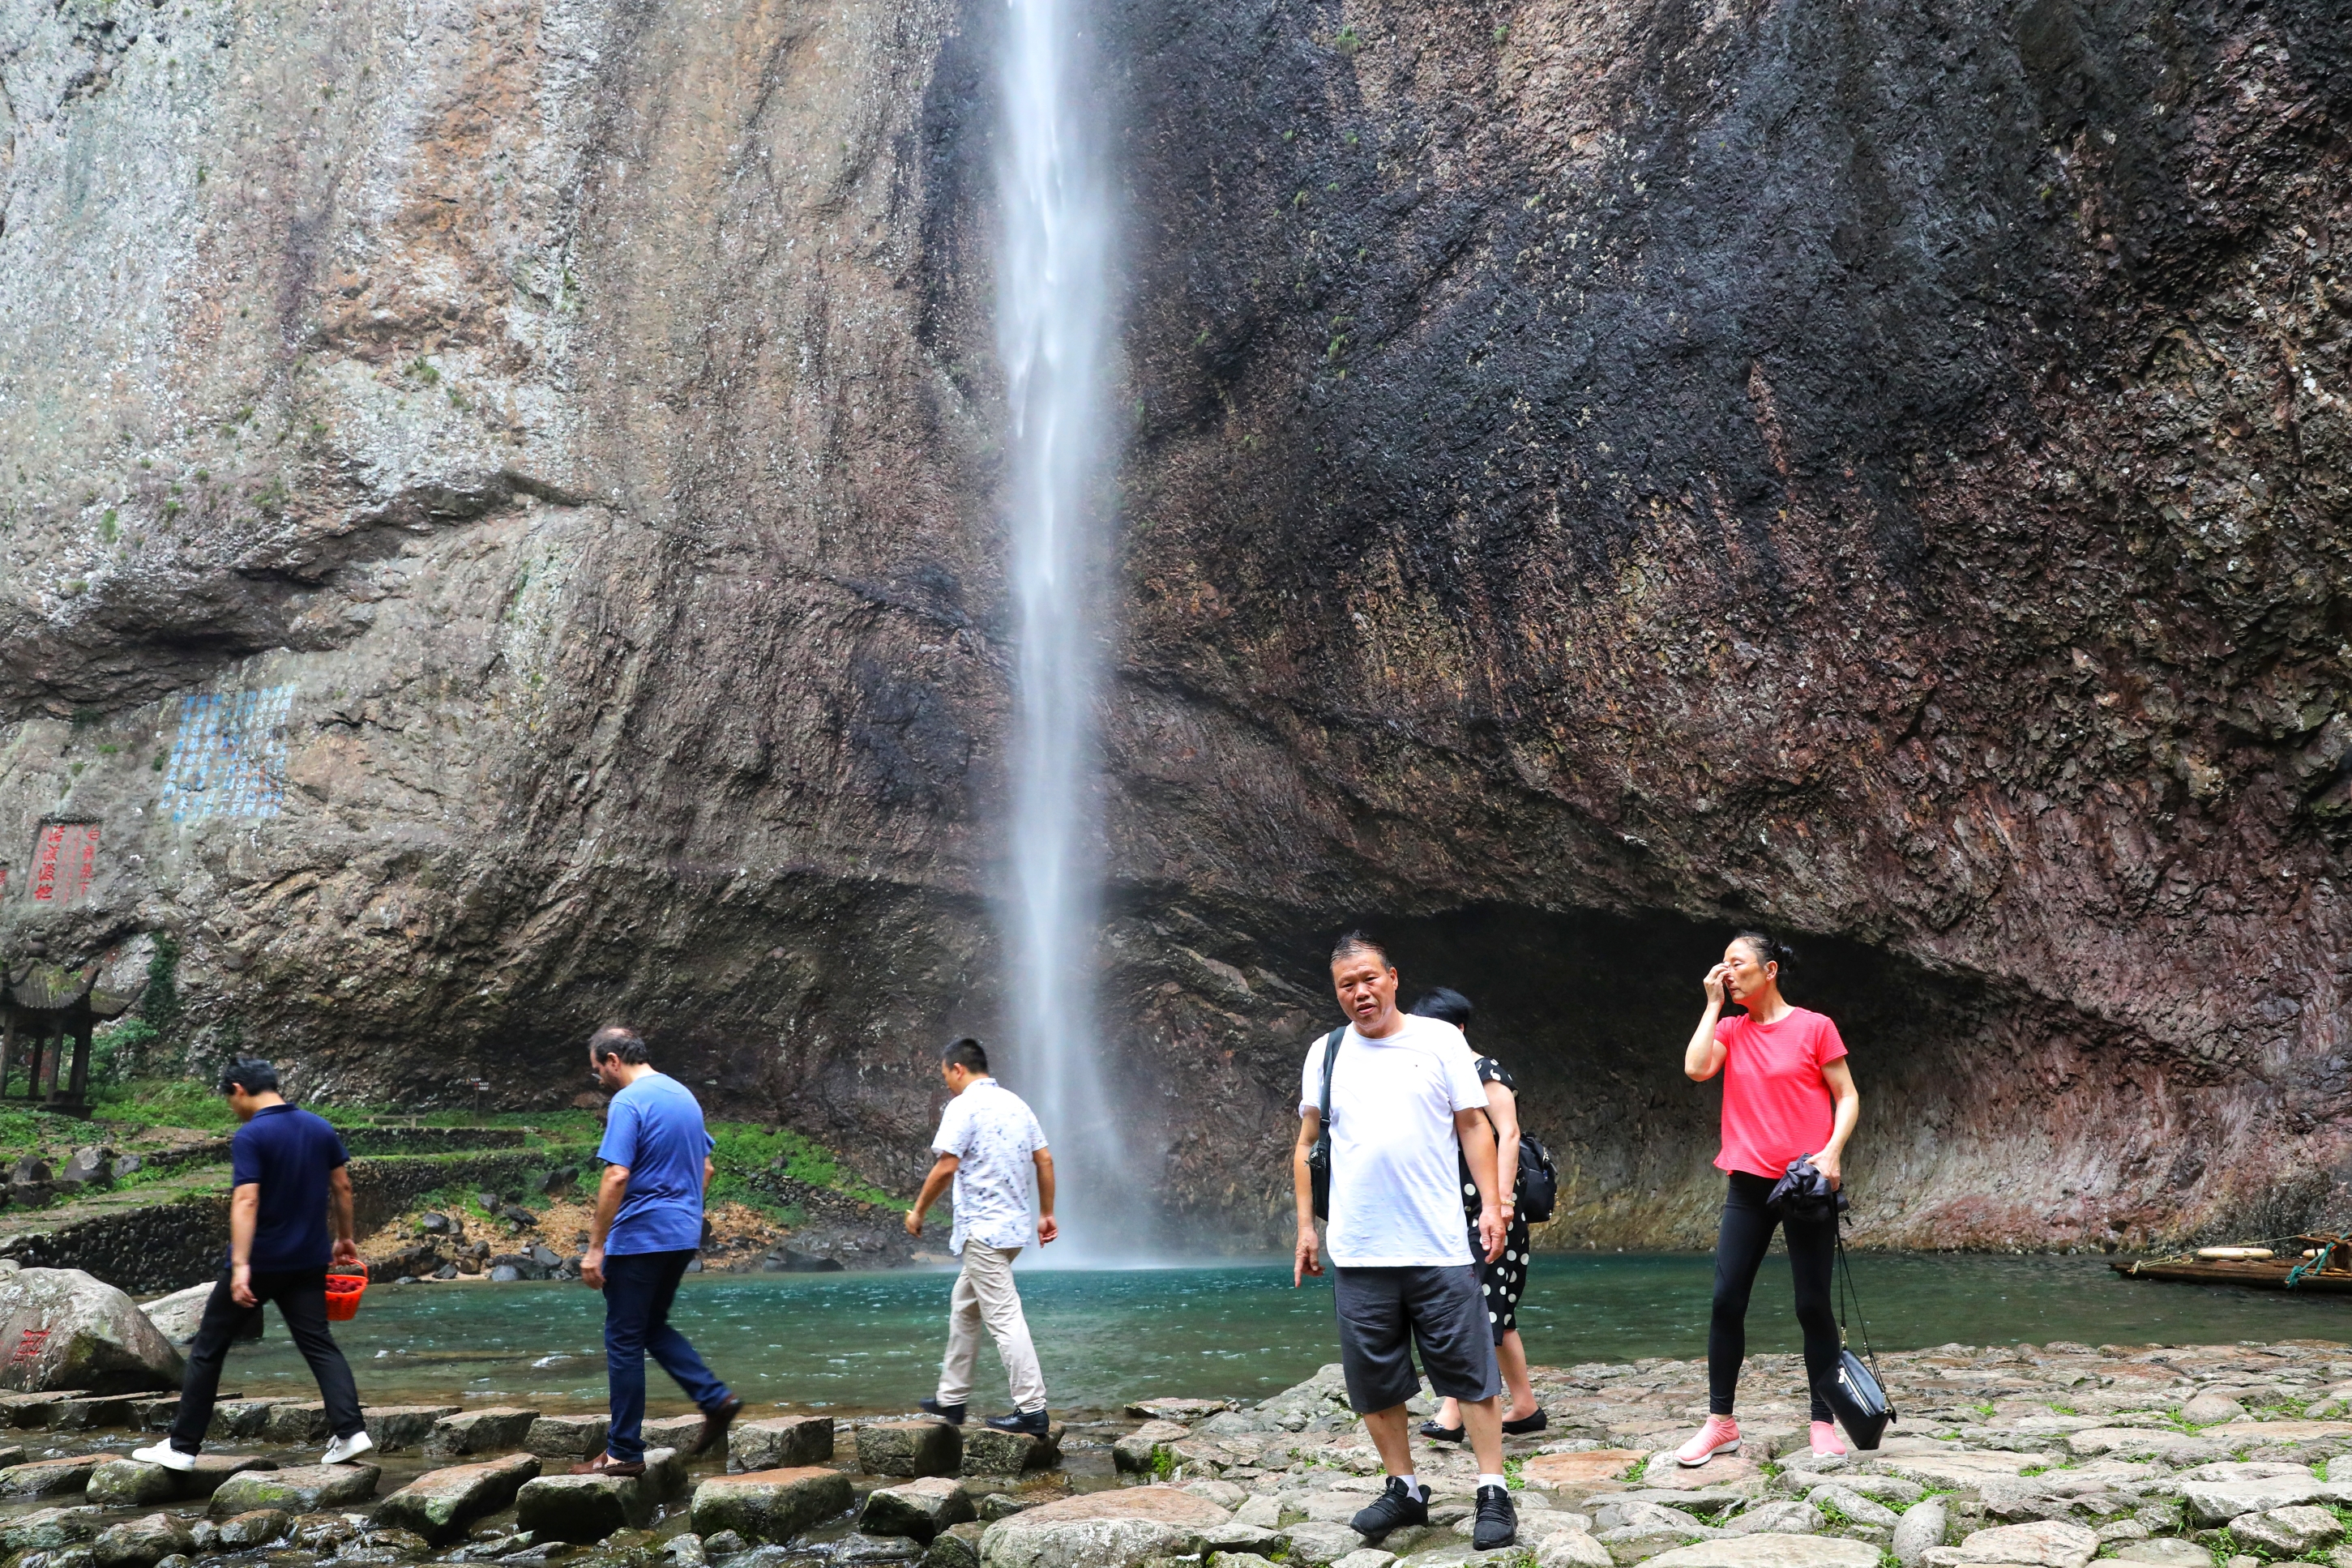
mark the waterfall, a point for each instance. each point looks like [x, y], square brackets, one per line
[1054, 327]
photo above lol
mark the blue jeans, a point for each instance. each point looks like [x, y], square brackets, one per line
[638, 1287]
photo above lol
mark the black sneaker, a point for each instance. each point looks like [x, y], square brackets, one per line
[951, 1413]
[1393, 1509]
[1498, 1522]
[1031, 1423]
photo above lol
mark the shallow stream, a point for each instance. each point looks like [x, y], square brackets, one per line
[860, 1342]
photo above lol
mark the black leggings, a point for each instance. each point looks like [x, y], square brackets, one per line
[1739, 1250]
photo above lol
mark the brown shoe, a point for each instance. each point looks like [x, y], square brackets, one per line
[604, 1464]
[714, 1424]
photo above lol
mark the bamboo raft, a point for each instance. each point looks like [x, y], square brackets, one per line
[2310, 1264]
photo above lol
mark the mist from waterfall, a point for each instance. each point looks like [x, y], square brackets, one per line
[1054, 331]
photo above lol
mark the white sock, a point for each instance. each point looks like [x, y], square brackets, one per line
[1412, 1484]
[1485, 1482]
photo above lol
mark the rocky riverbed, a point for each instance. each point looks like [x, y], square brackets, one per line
[2191, 1456]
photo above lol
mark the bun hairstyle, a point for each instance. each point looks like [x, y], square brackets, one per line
[1768, 949]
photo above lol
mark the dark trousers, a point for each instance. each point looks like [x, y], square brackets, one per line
[301, 1298]
[638, 1288]
[1740, 1249]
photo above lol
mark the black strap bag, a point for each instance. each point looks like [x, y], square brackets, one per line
[1539, 1182]
[1857, 1397]
[1319, 1158]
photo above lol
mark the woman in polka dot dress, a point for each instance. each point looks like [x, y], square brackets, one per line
[1504, 1279]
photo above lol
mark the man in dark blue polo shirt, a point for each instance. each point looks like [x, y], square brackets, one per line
[290, 1183]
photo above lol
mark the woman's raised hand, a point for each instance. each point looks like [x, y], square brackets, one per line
[1714, 984]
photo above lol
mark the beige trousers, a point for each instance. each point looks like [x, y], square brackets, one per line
[984, 1294]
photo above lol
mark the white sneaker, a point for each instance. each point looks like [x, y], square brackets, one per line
[163, 1454]
[343, 1450]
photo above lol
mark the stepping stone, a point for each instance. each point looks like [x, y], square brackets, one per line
[989, 1452]
[80, 1415]
[2052, 1543]
[129, 1483]
[497, 1429]
[240, 1420]
[398, 1427]
[305, 1489]
[1771, 1552]
[34, 1411]
[780, 1442]
[296, 1422]
[51, 1529]
[257, 1528]
[1581, 1469]
[921, 1509]
[567, 1437]
[49, 1477]
[1130, 1524]
[771, 1505]
[908, 1448]
[590, 1508]
[11, 1454]
[141, 1542]
[679, 1432]
[1185, 1410]
[439, 1504]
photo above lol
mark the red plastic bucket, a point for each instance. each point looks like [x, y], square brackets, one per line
[343, 1293]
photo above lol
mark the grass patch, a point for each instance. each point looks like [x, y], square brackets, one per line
[1514, 1473]
[742, 1151]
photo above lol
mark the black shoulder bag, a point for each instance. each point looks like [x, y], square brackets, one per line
[1538, 1183]
[1319, 1158]
[1857, 1397]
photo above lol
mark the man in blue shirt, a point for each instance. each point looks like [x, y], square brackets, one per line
[290, 1182]
[647, 1226]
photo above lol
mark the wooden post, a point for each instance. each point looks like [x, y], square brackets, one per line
[7, 1046]
[79, 1082]
[47, 1078]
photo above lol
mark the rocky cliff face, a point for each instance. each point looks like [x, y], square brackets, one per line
[500, 531]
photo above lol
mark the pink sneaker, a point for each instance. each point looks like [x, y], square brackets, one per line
[1825, 1438]
[1719, 1436]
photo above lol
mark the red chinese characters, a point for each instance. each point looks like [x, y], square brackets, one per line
[65, 861]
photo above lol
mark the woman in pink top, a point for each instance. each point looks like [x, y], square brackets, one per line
[1787, 1094]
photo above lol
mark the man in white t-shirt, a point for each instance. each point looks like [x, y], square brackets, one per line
[987, 1142]
[1405, 1097]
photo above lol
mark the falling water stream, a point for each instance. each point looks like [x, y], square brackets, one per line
[1054, 331]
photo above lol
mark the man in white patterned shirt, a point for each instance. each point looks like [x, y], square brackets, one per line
[986, 1142]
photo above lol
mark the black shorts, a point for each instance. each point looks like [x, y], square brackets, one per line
[1385, 1312]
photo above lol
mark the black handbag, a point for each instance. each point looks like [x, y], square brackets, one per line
[1319, 1158]
[1857, 1397]
[1538, 1183]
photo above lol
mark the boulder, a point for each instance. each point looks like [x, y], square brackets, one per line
[89, 1168]
[2287, 1532]
[919, 1508]
[49, 1477]
[128, 1483]
[439, 1504]
[590, 1508]
[60, 1328]
[50, 1528]
[398, 1427]
[908, 1448]
[2218, 1503]
[1106, 1530]
[1561, 1549]
[772, 1504]
[257, 1528]
[175, 1316]
[1860, 1510]
[497, 1429]
[780, 1442]
[1772, 1552]
[1139, 1451]
[1319, 1543]
[2052, 1543]
[567, 1437]
[1923, 1525]
[435, 1224]
[989, 1452]
[958, 1546]
[2211, 1409]
[305, 1489]
[141, 1543]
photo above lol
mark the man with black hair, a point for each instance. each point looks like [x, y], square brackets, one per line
[290, 1184]
[1406, 1103]
[987, 1141]
[647, 1226]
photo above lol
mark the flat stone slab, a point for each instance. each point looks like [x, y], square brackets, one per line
[772, 1504]
[2051, 1543]
[1772, 1552]
[919, 1508]
[305, 1489]
[297, 1421]
[2218, 1503]
[439, 1504]
[128, 1483]
[1960, 1470]
[2145, 1442]
[397, 1427]
[1185, 1410]
[1724, 1469]
[49, 1477]
[780, 1442]
[495, 1430]
[683, 1433]
[568, 1437]
[84, 1411]
[908, 1448]
[2247, 1434]
[32, 1410]
[2170, 1550]
[1108, 1530]
[989, 1452]
[1581, 1469]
